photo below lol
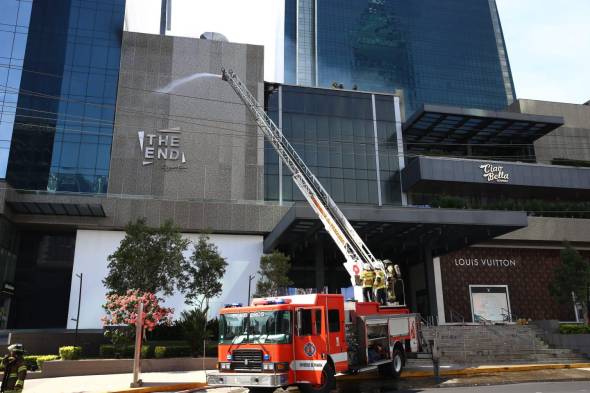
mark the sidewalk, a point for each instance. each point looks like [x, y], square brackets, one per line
[416, 374]
[107, 383]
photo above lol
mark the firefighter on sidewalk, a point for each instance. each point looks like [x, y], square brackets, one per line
[15, 370]
[367, 279]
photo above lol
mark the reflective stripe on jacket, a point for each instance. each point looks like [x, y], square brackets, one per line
[368, 276]
[379, 280]
[15, 372]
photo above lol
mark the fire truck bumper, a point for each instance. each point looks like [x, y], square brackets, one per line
[271, 380]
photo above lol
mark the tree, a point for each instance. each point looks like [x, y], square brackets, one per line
[194, 327]
[148, 259]
[274, 269]
[572, 276]
[202, 273]
[121, 316]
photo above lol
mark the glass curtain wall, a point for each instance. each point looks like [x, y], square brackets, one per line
[334, 133]
[448, 52]
[14, 23]
[64, 120]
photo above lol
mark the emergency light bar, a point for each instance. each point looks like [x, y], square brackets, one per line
[266, 301]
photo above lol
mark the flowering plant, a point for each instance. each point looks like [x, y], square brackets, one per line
[122, 310]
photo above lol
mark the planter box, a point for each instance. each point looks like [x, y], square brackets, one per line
[577, 342]
[66, 368]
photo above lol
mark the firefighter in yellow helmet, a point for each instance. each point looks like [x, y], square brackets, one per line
[380, 284]
[367, 280]
[15, 370]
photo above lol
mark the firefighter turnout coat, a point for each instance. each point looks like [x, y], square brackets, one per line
[15, 372]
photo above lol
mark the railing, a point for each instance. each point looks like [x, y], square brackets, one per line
[508, 316]
[455, 316]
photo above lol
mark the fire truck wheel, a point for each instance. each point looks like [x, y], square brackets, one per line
[328, 382]
[393, 369]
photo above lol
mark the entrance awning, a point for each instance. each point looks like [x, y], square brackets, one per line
[395, 230]
[437, 124]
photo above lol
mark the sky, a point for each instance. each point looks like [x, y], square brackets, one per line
[548, 41]
[548, 45]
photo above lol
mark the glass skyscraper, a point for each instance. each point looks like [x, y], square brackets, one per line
[59, 69]
[448, 52]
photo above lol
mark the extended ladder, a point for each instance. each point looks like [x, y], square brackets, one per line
[337, 225]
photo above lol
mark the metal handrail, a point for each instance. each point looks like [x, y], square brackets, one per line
[508, 316]
[454, 313]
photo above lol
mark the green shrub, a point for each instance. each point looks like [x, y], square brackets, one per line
[45, 358]
[31, 363]
[35, 362]
[106, 351]
[172, 351]
[147, 351]
[70, 353]
[159, 352]
[574, 329]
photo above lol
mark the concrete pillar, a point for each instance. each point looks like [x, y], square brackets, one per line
[430, 280]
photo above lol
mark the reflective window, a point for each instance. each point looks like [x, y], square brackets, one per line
[448, 52]
[333, 132]
[62, 140]
[14, 21]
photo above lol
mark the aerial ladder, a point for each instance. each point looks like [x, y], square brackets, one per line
[336, 224]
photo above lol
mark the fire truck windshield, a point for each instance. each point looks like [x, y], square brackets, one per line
[261, 327]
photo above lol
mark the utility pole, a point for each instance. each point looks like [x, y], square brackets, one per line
[77, 319]
[250, 278]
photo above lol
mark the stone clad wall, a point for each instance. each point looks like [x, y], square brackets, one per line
[526, 272]
[198, 142]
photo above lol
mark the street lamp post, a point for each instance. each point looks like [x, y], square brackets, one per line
[80, 276]
[250, 278]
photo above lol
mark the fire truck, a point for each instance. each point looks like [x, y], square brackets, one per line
[305, 340]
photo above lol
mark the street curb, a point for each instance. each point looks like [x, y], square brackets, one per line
[493, 369]
[162, 388]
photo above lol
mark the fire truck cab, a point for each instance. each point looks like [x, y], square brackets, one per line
[306, 340]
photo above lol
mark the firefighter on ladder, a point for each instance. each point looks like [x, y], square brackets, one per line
[380, 284]
[367, 280]
[15, 370]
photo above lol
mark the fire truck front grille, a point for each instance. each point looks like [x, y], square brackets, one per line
[247, 360]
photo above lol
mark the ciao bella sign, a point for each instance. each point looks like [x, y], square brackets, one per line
[494, 173]
[485, 262]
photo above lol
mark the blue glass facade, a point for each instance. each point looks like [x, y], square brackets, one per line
[62, 133]
[14, 23]
[338, 134]
[438, 52]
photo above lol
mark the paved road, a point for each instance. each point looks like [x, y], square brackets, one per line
[380, 386]
[540, 387]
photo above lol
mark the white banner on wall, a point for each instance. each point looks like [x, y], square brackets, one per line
[242, 253]
[490, 303]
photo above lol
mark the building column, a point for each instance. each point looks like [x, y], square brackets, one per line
[319, 264]
[430, 280]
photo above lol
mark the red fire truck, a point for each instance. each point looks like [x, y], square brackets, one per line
[306, 340]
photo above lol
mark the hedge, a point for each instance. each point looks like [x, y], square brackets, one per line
[70, 353]
[574, 329]
[172, 351]
[108, 352]
[35, 362]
